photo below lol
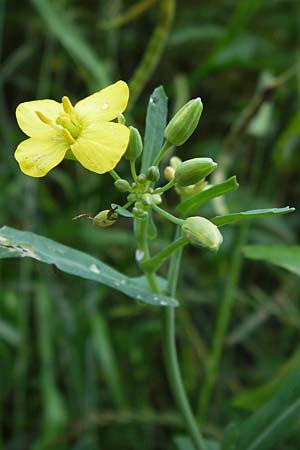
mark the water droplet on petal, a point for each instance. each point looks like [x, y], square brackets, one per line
[104, 106]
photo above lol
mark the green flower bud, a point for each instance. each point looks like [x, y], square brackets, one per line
[135, 146]
[147, 199]
[183, 124]
[157, 199]
[132, 197]
[121, 119]
[192, 171]
[122, 185]
[202, 233]
[153, 173]
[139, 213]
[175, 161]
[169, 173]
[142, 178]
[105, 218]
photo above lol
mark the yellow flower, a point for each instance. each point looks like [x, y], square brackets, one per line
[85, 131]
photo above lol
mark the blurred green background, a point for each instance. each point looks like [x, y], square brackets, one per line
[81, 366]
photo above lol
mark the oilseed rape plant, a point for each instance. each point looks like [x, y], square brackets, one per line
[94, 133]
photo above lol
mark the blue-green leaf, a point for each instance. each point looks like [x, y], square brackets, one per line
[198, 199]
[284, 256]
[156, 121]
[74, 262]
[122, 211]
[253, 214]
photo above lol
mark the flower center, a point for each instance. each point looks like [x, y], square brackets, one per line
[67, 123]
[69, 120]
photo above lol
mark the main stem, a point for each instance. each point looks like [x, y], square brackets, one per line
[171, 358]
[169, 336]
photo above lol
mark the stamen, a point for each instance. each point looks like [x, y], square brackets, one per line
[67, 105]
[43, 118]
[67, 135]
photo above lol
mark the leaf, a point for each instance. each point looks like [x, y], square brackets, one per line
[198, 199]
[284, 256]
[286, 152]
[252, 214]
[195, 34]
[74, 262]
[70, 38]
[104, 351]
[230, 437]
[122, 211]
[129, 15]
[156, 121]
[275, 421]
[253, 398]
[185, 443]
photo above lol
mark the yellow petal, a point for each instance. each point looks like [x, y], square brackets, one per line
[39, 154]
[106, 104]
[101, 145]
[29, 122]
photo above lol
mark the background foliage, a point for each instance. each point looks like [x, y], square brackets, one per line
[81, 365]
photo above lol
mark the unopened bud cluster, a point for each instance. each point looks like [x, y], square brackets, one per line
[187, 177]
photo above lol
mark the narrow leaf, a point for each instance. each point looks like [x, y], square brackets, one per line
[185, 443]
[69, 36]
[122, 211]
[275, 421]
[253, 214]
[74, 262]
[197, 200]
[156, 121]
[284, 256]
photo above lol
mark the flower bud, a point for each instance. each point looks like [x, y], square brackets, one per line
[121, 119]
[147, 199]
[139, 213]
[169, 173]
[142, 179]
[202, 233]
[183, 124]
[153, 173]
[175, 161]
[122, 185]
[192, 171]
[135, 146]
[105, 218]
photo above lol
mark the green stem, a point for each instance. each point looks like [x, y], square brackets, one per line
[168, 333]
[165, 188]
[114, 174]
[223, 318]
[167, 215]
[133, 171]
[152, 264]
[171, 359]
[161, 153]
